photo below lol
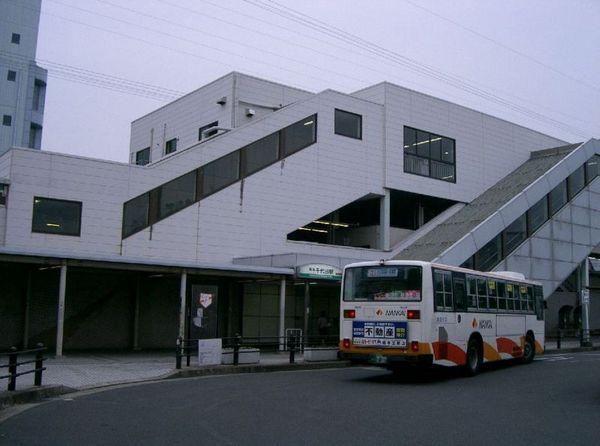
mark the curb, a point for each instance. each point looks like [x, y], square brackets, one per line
[33, 394]
[553, 351]
[37, 394]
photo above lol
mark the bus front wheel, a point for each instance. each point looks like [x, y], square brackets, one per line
[474, 358]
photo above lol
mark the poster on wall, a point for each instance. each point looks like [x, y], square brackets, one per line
[203, 312]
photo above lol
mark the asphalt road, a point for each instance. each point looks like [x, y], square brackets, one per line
[554, 401]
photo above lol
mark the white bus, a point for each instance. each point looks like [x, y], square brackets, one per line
[412, 312]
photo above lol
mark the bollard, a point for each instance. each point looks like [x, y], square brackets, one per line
[12, 369]
[558, 339]
[178, 354]
[236, 349]
[39, 365]
[188, 354]
[292, 349]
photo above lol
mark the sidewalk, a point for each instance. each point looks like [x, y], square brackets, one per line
[568, 345]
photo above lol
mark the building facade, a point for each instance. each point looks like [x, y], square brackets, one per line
[22, 81]
[252, 196]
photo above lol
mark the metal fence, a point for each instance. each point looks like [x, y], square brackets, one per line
[562, 335]
[292, 344]
[14, 364]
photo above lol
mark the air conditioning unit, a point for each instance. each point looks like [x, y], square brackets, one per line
[222, 101]
[250, 112]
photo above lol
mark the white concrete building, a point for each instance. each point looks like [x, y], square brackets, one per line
[22, 81]
[256, 194]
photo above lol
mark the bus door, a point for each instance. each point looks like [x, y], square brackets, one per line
[459, 288]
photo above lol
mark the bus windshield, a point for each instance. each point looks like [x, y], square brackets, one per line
[383, 283]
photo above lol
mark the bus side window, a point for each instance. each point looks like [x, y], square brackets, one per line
[482, 294]
[438, 281]
[448, 290]
[460, 296]
[492, 291]
[524, 298]
[471, 293]
[510, 296]
[530, 300]
[501, 295]
[539, 302]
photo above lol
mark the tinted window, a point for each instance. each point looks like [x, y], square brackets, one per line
[383, 283]
[56, 216]
[558, 197]
[220, 173]
[429, 155]
[501, 295]
[142, 157]
[171, 146]
[489, 255]
[135, 214]
[514, 234]
[576, 181]
[299, 135]
[177, 194]
[492, 292]
[482, 293]
[259, 154]
[203, 133]
[348, 124]
[537, 215]
[471, 292]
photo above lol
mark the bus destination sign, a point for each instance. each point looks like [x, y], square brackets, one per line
[379, 334]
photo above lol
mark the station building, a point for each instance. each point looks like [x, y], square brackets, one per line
[244, 199]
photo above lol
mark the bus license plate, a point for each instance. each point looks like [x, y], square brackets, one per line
[379, 334]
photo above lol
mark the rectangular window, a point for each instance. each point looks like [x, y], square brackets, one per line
[171, 146]
[510, 296]
[220, 173]
[443, 290]
[576, 181]
[489, 255]
[135, 214]
[203, 132]
[299, 135]
[537, 215]
[501, 295]
[177, 194]
[482, 294]
[142, 157]
[492, 295]
[538, 292]
[383, 283]
[16, 38]
[592, 168]
[514, 235]
[52, 216]
[3, 194]
[7, 120]
[260, 154]
[39, 87]
[558, 197]
[348, 124]
[429, 155]
[471, 293]
[11, 76]
[35, 136]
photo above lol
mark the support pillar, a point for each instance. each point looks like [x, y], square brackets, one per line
[384, 221]
[60, 320]
[282, 314]
[183, 303]
[585, 302]
[28, 291]
[306, 309]
[136, 315]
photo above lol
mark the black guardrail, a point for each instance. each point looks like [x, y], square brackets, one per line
[293, 344]
[565, 334]
[14, 363]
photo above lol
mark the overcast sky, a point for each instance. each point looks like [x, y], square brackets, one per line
[541, 57]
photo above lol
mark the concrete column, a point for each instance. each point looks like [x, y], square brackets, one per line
[384, 221]
[136, 315]
[282, 314]
[26, 309]
[183, 303]
[585, 303]
[306, 309]
[60, 320]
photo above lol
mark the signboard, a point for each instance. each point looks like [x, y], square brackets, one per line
[585, 297]
[209, 351]
[319, 271]
[203, 312]
[379, 334]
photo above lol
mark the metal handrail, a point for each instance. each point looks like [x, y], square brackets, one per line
[14, 363]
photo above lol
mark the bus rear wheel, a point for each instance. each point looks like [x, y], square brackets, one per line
[474, 358]
[528, 350]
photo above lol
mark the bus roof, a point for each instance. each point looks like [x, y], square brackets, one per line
[501, 275]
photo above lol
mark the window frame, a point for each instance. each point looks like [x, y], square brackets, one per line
[11, 76]
[137, 163]
[58, 200]
[15, 38]
[430, 159]
[360, 122]
[202, 129]
[7, 120]
[169, 150]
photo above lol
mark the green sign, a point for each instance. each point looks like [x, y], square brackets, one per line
[319, 271]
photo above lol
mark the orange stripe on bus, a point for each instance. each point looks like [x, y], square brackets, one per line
[490, 353]
[506, 345]
[450, 352]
